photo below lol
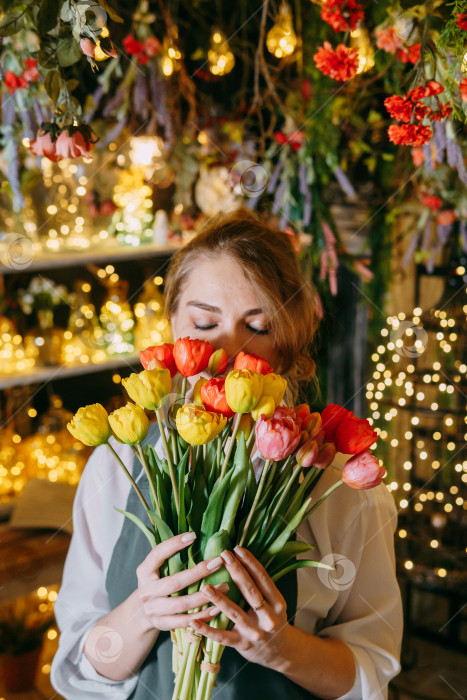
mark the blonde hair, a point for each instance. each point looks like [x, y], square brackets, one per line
[268, 260]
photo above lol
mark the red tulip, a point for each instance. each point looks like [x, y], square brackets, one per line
[43, 145]
[363, 471]
[213, 397]
[326, 454]
[191, 356]
[277, 438]
[73, 146]
[159, 353]
[307, 453]
[252, 362]
[331, 417]
[354, 435]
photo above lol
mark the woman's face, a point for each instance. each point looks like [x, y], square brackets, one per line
[218, 304]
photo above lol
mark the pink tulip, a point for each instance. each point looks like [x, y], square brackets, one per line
[286, 412]
[363, 471]
[307, 454]
[73, 146]
[277, 438]
[43, 145]
[326, 454]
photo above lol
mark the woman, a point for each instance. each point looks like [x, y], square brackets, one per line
[237, 284]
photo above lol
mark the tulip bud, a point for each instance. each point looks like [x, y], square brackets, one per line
[213, 397]
[326, 454]
[363, 471]
[148, 388]
[129, 424]
[243, 389]
[307, 454]
[252, 363]
[304, 437]
[217, 362]
[312, 424]
[198, 426]
[302, 411]
[154, 355]
[191, 356]
[90, 425]
[265, 406]
[319, 437]
[274, 385]
[245, 425]
[197, 390]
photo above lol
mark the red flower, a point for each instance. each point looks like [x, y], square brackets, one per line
[431, 201]
[331, 417]
[388, 40]
[152, 46]
[107, 208]
[73, 145]
[132, 45]
[191, 356]
[43, 145]
[446, 217]
[463, 89]
[213, 397]
[31, 74]
[441, 114]
[433, 88]
[340, 64]
[294, 139]
[402, 108]
[409, 134]
[363, 471]
[461, 21]
[14, 82]
[409, 54]
[252, 362]
[417, 93]
[354, 435]
[159, 353]
[341, 14]
[142, 58]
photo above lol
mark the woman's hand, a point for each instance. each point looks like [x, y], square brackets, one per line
[163, 611]
[260, 634]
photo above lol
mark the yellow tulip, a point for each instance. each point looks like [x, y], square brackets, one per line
[243, 389]
[198, 426]
[129, 424]
[149, 387]
[90, 425]
[197, 390]
[274, 385]
[266, 405]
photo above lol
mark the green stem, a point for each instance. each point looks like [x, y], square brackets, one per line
[281, 500]
[232, 442]
[325, 495]
[183, 390]
[142, 459]
[255, 502]
[133, 482]
[168, 457]
[173, 440]
[251, 440]
[219, 452]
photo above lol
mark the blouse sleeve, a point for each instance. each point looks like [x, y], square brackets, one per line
[367, 615]
[82, 599]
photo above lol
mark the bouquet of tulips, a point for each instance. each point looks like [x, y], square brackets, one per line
[206, 482]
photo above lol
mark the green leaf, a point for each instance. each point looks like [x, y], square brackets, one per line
[290, 527]
[48, 15]
[68, 52]
[290, 549]
[238, 480]
[11, 23]
[144, 528]
[110, 11]
[199, 500]
[302, 563]
[213, 513]
[182, 525]
[53, 84]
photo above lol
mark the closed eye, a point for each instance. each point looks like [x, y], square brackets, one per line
[257, 331]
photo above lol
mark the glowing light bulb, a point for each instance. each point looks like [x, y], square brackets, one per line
[281, 39]
[220, 57]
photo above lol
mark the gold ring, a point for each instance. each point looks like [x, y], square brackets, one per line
[261, 605]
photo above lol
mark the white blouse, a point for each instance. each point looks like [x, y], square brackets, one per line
[358, 603]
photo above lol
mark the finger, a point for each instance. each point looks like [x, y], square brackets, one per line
[163, 551]
[168, 622]
[177, 582]
[247, 586]
[244, 622]
[262, 579]
[180, 604]
[228, 638]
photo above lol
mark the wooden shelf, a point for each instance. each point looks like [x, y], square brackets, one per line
[46, 374]
[105, 253]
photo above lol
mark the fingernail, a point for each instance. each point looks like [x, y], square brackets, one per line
[227, 557]
[223, 587]
[240, 551]
[214, 611]
[208, 590]
[189, 537]
[195, 624]
[215, 563]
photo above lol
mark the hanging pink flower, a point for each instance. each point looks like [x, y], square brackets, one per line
[340, 64]
[388, 40]
[363, 471]
[152, 46]
[74, 144]
[277, 438]
[31, 73]
[44, 145]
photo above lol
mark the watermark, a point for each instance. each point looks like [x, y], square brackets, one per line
[248, 178]
[343, 574]
[104, 644]
[409, 339]
[16, 251]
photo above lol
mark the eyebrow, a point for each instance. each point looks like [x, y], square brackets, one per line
[217, 310]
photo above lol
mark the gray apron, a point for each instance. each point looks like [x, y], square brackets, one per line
[237, 678]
